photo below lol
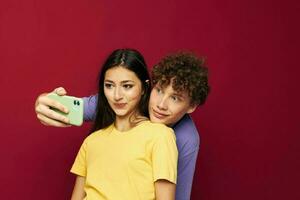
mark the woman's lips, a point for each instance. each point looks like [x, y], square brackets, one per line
[158, 114]
[120, 105]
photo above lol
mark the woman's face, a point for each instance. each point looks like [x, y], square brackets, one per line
[123, 91]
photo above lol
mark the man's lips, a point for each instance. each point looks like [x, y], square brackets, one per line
[158, 115]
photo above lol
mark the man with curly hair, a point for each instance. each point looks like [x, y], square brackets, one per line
[180, 85]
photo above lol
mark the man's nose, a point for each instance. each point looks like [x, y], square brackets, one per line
[162, 104]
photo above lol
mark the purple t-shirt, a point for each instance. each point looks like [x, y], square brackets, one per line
[187, 140]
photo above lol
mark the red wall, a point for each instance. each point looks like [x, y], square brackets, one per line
[249, 131]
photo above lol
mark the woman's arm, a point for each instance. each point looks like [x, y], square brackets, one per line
[164, 190]
[78, 191]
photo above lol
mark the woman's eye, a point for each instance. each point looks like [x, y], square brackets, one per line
[108, 85]
[127, 86]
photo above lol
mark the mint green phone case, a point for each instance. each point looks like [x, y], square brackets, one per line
[75, 106]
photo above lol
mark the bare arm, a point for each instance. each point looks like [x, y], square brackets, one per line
[164, 190]
[78, 191]
[46, 115]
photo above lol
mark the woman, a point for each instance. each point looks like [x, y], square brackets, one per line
[126, 157]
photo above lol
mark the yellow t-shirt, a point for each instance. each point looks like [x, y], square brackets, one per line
[124, 165]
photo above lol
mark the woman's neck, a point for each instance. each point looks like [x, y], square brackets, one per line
[127, 123]
[122, 124]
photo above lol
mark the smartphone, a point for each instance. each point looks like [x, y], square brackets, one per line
[75, 106]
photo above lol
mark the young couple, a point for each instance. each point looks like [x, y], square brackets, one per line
[128, 156]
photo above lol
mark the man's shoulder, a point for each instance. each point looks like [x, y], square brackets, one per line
[187, 136]
[186, 128]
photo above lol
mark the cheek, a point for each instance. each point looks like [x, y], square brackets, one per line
[178, 111]
[153, 98]
[107, 94]
[134, 95]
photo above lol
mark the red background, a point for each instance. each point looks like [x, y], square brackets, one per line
[249, 130]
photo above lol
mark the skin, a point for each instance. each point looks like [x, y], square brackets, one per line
[164, 190]
[168, 106]
[78, 192]
[123, 91]
[46, 115]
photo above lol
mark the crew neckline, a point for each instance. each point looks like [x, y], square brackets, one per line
[115, 130]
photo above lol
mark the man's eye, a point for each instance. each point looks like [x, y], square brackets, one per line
[127, 86]
[174, 98]
[158, 90]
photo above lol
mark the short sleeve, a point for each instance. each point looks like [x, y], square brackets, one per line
[164, 157]
[79, 165]
[90, 104]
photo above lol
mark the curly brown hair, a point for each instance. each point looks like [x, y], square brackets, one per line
[186, 72]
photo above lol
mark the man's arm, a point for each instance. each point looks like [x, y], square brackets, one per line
[46, 115]
[186, 170]
[188, 142]
[89, 111]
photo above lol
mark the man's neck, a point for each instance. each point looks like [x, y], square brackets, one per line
[174, 125]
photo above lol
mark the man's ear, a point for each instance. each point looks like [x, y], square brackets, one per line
[192, 108]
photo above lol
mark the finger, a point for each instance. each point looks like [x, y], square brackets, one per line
[47, 112]
[44, 100]
[50, 122]
[60, 91]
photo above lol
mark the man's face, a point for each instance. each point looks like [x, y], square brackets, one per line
[168, 106]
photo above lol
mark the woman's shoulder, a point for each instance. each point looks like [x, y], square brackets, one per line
[157, 129]
[154, 125]
[98, 133]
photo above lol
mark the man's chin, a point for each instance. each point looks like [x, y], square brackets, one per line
[156, 120]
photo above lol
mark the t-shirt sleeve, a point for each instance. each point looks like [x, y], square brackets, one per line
[164, 157]
[79, 165]
[89, 111]
[186, 169]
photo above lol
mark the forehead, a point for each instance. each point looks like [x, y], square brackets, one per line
[120, 73]
[169, 89]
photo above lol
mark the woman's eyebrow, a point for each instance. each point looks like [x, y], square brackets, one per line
[124, 81]
[107, 80]
[127, 81]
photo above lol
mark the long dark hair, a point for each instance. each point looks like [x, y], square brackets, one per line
[132, 60]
